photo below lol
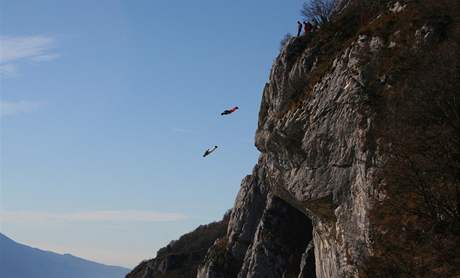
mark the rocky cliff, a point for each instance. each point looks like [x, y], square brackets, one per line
[359, 134]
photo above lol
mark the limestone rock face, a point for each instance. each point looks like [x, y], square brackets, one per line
[248, 210]
[331, 177]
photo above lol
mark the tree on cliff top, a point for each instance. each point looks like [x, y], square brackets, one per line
[318, 11]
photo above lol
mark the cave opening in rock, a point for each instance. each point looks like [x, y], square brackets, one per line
[295, 234]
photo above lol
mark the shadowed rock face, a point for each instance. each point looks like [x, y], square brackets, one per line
[359, 134]
[266, 236]
[279, 242]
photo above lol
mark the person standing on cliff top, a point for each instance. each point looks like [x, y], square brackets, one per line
[307, 26]
[299, 28]
[229, 111]
[209, 151]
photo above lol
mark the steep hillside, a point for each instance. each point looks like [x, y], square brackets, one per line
[182, 257]
[20, 261]
[359, 134]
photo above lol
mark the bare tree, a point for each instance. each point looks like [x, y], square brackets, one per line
[318, 11]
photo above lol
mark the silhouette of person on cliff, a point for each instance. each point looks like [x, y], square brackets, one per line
[299, 28]
[229, 111]
[209, 151]
[307, 27]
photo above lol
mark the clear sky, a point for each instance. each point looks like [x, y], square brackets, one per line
[107, 107]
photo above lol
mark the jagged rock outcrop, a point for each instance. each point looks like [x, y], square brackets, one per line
[359, 134]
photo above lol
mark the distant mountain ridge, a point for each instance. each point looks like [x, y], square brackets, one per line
[21, 261]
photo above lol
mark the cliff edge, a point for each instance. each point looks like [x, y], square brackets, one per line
[359, 134]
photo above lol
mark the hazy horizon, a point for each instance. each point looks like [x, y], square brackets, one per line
[107, 108]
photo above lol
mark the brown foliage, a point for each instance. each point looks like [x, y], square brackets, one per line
[417, 227]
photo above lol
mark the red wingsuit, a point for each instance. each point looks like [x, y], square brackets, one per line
[307, 27]
[229, 111]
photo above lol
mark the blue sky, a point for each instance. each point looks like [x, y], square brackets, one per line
[107, 107]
